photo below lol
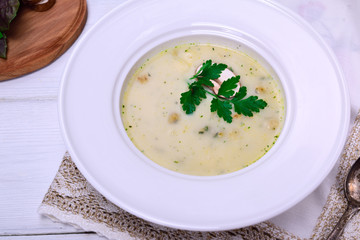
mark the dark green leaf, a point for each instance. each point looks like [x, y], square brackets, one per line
[227, 87]
[206, 82]
[202, 80]
[223, 109]
[248, 106]
[199, 91]
[8, 10]
[3, 46]
[209, 71]
[192, 98]
[241, 93]
[206, 64]
[212, 72]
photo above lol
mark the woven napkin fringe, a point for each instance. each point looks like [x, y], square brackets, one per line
[71, 199]
[336, 203]
[78, 222]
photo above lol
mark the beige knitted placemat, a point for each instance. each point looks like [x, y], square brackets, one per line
[71, 199]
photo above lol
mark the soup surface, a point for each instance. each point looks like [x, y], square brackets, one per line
[200, 143]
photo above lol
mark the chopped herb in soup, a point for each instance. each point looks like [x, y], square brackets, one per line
[203, 109]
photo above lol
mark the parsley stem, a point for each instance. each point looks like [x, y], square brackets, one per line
[217, 96]
[222, 104]
[212, 94]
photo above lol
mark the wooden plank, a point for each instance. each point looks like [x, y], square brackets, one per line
[31, 149]
[77, 236]
[31, 146]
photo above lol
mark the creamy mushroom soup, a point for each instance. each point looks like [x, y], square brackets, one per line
[200, 143]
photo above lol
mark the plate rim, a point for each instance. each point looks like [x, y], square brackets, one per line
[289, 13]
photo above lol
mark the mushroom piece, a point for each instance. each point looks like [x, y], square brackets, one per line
[143, 79]
[259, 90]
[173, 118]
[273, 124]
[225, 75]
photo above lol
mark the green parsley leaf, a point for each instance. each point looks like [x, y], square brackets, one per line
[1, 35]
[247, 106]
[206, 64]
[241, 93]
[197, 92]
[227, 87]
[192, 98]
[204, 81]
[209, 71]
[223, 109]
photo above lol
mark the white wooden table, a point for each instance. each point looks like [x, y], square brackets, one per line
[31, 146]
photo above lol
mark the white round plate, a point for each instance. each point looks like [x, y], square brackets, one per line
[315, 129]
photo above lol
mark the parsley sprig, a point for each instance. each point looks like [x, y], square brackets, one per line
[221, 105]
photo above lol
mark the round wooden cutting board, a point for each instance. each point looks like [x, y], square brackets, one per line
[35, 39]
